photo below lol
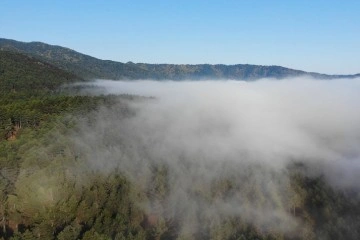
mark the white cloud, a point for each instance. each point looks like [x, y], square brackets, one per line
[208, 131]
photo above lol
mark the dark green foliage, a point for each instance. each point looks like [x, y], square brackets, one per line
[19, 72]
[71, 61]
[30, 95]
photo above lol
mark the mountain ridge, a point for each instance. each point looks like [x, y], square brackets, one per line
[89, 67]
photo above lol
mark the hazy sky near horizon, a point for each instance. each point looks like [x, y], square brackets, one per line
[321, 36]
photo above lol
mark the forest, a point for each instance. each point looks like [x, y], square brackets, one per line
[49, 189]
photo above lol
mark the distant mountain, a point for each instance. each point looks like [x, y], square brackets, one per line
[91, 68]
[20, 72]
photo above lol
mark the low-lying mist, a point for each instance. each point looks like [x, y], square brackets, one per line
[216, 149]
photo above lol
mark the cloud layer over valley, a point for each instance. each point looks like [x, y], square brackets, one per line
[210, 149]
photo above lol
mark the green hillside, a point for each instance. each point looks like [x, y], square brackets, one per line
[29, 93]
[91, 68]
[19, 72]
[72, 61]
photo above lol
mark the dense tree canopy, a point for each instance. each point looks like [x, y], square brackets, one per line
[47, 191]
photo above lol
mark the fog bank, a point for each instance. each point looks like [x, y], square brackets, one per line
[197, 135]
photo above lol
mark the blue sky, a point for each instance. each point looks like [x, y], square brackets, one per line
[321, 36]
